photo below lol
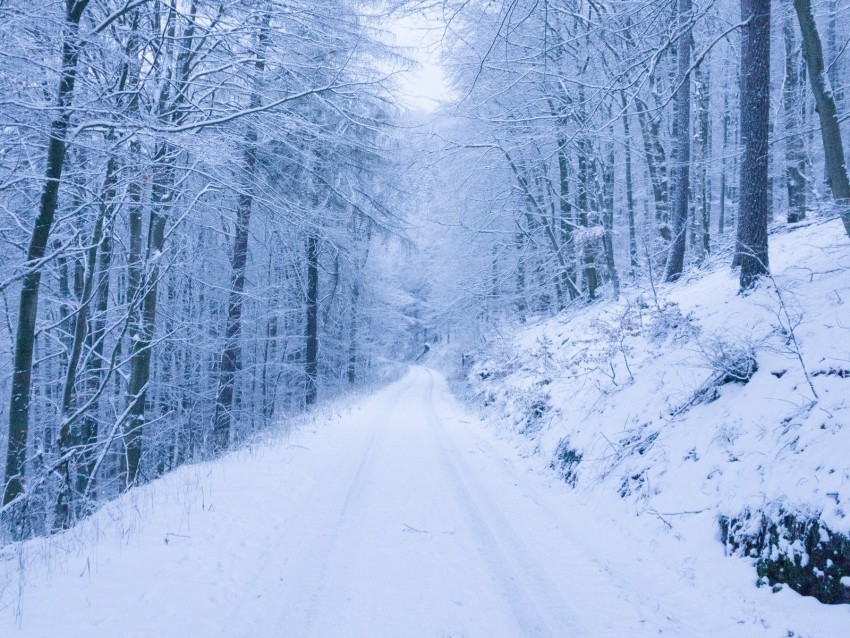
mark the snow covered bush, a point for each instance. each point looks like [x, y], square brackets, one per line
[731, 360]
[566, 461]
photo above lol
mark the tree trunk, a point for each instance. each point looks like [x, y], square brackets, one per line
[795, 146]
[162, 198]
[630, 201]
[608, 218]
[231, 356]
[566, 217]
[536, 211]
[311, 362]
[352, 333]
[721, 215]
[135, 273]
[586, 177]
[97, 364]
[702, 211]
[521, 306]
[162, 195]
[681, 168]
[833, 150]
[755, 113]
[28, 306]
[73, 470]
[656, 163]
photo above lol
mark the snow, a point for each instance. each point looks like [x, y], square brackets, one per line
[625, 387]
[401, 515]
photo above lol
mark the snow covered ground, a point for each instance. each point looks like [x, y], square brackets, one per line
[399, 516]
[635, 403]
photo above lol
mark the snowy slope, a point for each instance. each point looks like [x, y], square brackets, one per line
[643, 406]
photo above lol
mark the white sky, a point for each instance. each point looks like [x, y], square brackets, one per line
[425, 85]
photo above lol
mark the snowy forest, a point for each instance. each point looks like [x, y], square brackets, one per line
[221, 217]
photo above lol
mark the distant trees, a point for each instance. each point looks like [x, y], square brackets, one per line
[836, 167]
[640, 134]
[191, 195]
[159, 185]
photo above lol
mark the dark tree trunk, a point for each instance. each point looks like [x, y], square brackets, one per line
[230, 358]
[269, 352]
[311, 362]
[755, 113]
[28, 307]
[353, 333]
[656, 163]
[586, 176]
[630, 201]
[702, 210]
[681, 167]
[162, 199]
[536, 211]
[73, 471]
[132, 438]
[142, 332]
[521, 306]
[566, 219]
[97, 364]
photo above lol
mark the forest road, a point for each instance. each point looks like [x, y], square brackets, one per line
[419, 528]
[399, 518]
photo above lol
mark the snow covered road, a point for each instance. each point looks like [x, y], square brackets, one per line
[397, 518]
[392, 521]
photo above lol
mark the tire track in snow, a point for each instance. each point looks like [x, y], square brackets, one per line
[519, 575]
[339, 520]
[298, 572]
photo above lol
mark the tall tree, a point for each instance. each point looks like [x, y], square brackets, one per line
[231, 355]
[311, 357]
[682, 165]
[754, 204]
[28, 306]
[793, 108]
[833, 148]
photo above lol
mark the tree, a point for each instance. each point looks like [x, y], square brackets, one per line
[833, 148]
[231, 355]
[751, 245]
[794, 110]
[28, 306]
[169, 245]
[682, 166]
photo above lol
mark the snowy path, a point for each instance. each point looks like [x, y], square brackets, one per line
[392, 521]
[401, 517]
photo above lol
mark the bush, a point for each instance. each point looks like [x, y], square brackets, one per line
[792, 549]
[566, 461]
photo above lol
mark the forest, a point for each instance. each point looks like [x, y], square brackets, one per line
[218, 214]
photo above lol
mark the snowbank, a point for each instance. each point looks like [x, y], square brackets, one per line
[703, 409]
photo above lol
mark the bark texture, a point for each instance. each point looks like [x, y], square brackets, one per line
[755, 113]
